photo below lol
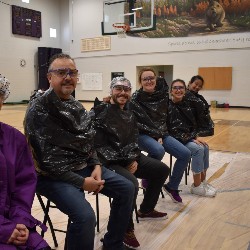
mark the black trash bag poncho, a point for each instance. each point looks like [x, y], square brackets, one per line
[116, 139]
[61, 136]
[181, 121]
[151, 110]
[201, 112]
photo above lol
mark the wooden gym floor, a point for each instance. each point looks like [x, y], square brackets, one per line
[222, 222]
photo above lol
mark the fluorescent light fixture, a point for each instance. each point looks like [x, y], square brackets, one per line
[52, 32]
[139, 8]
[25, 1]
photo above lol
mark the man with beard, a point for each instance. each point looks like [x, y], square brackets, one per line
[61, 135]
[116, 143]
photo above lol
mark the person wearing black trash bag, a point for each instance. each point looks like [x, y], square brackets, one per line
[61, 134]
[116, 143]
[199, 106]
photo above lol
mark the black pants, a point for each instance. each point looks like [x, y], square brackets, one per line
[156, 173]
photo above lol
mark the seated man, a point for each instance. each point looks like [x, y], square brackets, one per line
[60, 133]
[116, 142]
[17, 188]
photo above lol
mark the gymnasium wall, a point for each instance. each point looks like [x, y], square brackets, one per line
[185, 54]
[13, 48]
[78, 19]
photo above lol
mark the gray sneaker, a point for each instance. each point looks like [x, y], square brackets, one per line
[202, 190]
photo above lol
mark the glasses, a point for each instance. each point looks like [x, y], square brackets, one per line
[121, 88]
[178, 87]
[62, 73]
[148, 78]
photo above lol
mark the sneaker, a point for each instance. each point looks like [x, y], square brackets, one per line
[130, 240]
[209, 186]
[153, 215]
[144, 184]
[202, 190]
[174, 194]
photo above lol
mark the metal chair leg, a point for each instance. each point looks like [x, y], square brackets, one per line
[97, 213]
[47, 218]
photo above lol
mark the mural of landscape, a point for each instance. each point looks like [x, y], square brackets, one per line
[186, 18]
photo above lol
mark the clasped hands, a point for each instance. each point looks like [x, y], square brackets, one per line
[19, 236]
[94, 183]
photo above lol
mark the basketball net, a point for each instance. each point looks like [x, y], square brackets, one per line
[121, 29]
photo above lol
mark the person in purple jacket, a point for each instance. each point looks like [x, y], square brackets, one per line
[17, 188]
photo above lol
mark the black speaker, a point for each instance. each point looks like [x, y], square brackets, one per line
[44, 55]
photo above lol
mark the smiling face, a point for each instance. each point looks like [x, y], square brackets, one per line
[63, 84]
[178, 90]
[148, 81]
[196, 84]
[121, 93]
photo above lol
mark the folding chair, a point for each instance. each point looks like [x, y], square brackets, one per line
[47, 218]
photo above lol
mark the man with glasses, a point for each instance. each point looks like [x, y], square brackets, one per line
[116, 143]
[60, 133]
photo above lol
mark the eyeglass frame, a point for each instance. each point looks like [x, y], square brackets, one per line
[127, 88]
[148, 78]
[178, 88]
[68, 71]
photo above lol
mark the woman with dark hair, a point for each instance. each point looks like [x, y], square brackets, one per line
[150, 106]
[200, 106]
[183, 126]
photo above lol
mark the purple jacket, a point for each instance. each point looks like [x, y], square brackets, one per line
[17, 186]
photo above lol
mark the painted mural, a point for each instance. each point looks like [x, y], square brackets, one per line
[188, 18]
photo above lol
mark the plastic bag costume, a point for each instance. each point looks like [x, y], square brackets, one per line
[151, 110]
[201, 112]
[181, 121]
[124, 148]
[69, 145]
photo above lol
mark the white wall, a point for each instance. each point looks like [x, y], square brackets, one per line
[13, 48]
[185, 54]
[79, 19]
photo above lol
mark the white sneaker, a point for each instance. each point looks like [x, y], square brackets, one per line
[206, 184]
[202, 191]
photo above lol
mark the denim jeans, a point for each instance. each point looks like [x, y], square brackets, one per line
[71, 201]
[155, 171]
[171, 146]
[200, 157]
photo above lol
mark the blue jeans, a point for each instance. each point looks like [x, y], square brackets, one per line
[71, 201]
[200, 157]
[171, 146]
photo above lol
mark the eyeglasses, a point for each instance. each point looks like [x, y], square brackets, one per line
[62, 73]
[148, 78]
[121, 88]
[178, 87]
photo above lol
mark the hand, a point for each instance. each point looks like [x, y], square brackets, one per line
[92, 185]
[19, 236]
[160, 141]
[132, 167]
[199, 141]
[97, 175]
[106, 99]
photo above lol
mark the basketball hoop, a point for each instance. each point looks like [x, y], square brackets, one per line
[121, 29]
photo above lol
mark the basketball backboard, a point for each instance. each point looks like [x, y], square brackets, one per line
[138, 14]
